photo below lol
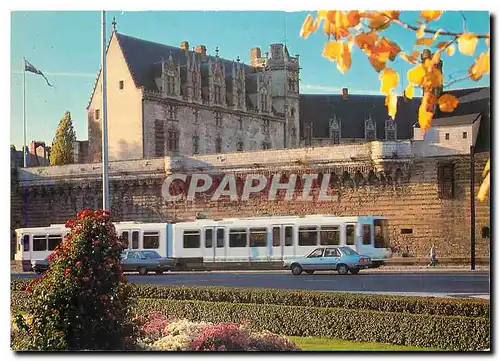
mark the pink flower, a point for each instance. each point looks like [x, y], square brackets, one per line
[85, 278]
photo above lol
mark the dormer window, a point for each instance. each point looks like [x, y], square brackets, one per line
[263, 102]
[390, 130]
[370, 130]
[120, 84]
[464, 135]
[335, 130]
[217, 94]
[170, 85]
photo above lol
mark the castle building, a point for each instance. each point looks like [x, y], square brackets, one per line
[164, 100]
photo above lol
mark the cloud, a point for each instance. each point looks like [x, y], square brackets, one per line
[330, 89]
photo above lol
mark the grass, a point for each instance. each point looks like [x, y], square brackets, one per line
[329, 344]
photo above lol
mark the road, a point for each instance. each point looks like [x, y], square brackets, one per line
[438, 284]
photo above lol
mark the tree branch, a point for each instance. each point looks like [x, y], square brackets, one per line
[456, 81]
[430, 31]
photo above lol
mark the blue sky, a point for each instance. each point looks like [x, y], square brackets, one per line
[66, 47]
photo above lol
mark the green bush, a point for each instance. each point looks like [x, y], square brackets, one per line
[82, 301]
[404, 304]
[444, 332]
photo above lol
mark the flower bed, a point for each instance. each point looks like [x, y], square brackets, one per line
[161, 334]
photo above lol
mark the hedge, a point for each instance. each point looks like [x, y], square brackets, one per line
[443, 332]
[384, 303]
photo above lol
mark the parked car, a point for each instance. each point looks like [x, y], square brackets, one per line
[40, 266]
[145, 261]
[340, 259]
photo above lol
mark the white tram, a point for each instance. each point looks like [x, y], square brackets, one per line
[231, 241]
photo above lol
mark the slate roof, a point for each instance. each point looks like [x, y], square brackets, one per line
[353, 112]
[465, 119]
[143, 57]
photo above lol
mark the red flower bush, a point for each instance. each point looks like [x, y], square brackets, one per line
[78, 304]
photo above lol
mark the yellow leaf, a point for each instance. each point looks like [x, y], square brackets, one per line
[309, 26]
[467, 43]
[391, 101]
[353, 18]
[450, 50]
[377, 64]
[344, 61]
[409, 91]
[447, 103]
[389, 80]
[366, 40]
[484, 189]
[430, 15]
[487, 41]
[486, 168]
[322, 14]
[441, 44]
[425, 41]
[332, 50]
[394, 14]
[416, 75]
[424, 116]
[481, 67]
[336, 24]
[385, 45]
[379, 21]
[436, 34]
[412, 59]
[420, 31]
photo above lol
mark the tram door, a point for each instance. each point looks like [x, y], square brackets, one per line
[350, 236]
[282, 242]
[365, 236]
[131, 238]
[215, 244]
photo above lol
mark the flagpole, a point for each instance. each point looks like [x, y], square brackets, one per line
[105, 186]
[24, 113]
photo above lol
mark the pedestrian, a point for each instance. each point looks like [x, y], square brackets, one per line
[433, 257]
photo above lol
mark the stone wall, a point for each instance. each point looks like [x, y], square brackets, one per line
[377, 178]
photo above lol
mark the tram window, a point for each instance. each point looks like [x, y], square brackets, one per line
[258, 237]
[135, 239]
[237, 237]
[276, 236]
[329, 236]
[289, 236]
[151, 240]
[192, 239]
[220, 238]
[208, 238]
[381, 233]
[39, 243]
[125, 238]
[54, 241]
[308, 236]
[367, 234]
[349, 234]
[26, 243]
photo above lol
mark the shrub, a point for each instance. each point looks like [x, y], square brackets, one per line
[82, 301]
[443, 332]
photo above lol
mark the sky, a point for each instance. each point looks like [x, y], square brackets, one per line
[66, 46]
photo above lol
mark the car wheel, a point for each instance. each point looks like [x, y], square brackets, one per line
[296, 269]
[342, 269]
[159, 272]
[354, 271]
[142, 271]
[310, 272]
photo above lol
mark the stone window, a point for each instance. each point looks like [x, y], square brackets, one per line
[390, 130]
[240, 121]
[171, 112]
[217, 94]
[121, 84]
[173, 140]
[447, 136]
[196, 144]
[464, 135]
[263, 102]
[292, 111]
[446, 180]
[170, 85]
[240, 146]
[266, 145]
[370, 129]
[218, 145]
[335, 130]
[218, 119]
[294, 131]
[159, 136]
[196, 113]
[97, 114]
[266, 125]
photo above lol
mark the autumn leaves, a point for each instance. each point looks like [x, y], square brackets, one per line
[362, 28]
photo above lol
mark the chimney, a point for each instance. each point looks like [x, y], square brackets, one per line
[185, 45]
[255, 56]
[201, 49]
[345, 93]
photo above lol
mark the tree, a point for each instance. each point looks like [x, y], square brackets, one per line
[82, 302]
[62, 146]
[364, 29]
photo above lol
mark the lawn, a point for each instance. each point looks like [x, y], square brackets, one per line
[328, 344]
